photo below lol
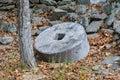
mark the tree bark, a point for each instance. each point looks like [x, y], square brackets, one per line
[24, 31]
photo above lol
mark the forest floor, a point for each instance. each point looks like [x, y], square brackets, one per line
[12, 69]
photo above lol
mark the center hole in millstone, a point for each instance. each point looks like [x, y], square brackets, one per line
[59, 36]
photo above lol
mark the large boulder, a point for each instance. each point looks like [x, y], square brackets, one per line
[62, 42]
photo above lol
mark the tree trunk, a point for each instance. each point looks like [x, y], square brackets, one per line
[24, 31]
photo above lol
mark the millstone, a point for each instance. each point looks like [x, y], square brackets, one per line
[63, 42]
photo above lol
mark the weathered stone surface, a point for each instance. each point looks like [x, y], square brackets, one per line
[73, 16]
[118, 41]
[96, 67]
[111, 17]
[38, 31]
[94, 26]
[8, 26]
[62, 42]
[114, 61]
[81, 9]
[35, 32]
[92, 36]
[42, 7]
[110, 31]
[36, 20]
[64, 2]
[34, 1]
[83, 1]
[6, 1]
[48, 2]
[2, 15]
[99, 16]
[6, 40]
[55, 22]
[85, 21]
[116, 26]
[115, 66]
[96, 1]
[110, 60]
[68, 7]
[43, 28]
[57, 14]
[8, 7]
[108, 46]
[116, 36]
[105, 72]
[107, 8]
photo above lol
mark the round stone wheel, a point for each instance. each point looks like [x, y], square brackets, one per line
[64, 42]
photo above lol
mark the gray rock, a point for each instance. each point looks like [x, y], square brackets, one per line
[43, 28]
[73, 16]
[35, 32]
[116, 26]
[5, 40]
[42, 7]
[116, 36]
[38, 11]
[67, 7]
[114, 66]
[36, 20]
[3, 47]
[118, 42]
[110, 60]
[7, 7]
[6, 1]
[93, 11]
[114, 43]
[94, 26]
[34, 1]
[110, 31]
[111, 17]
[2, 15]
[92, 36]
[107, 8]
[97, 1]
[85, 21]
[99, 16]
[64, 2]
[8, 26]
[63, 42]
[105, 72]
[83, 1]
[107, 46]
[118, 15]
[39, 30]
[96, 68]
[81, 9]
[55, 22]
[57, 14]
[48, 2]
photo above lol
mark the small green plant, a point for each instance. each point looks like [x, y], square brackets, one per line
[23, 65]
